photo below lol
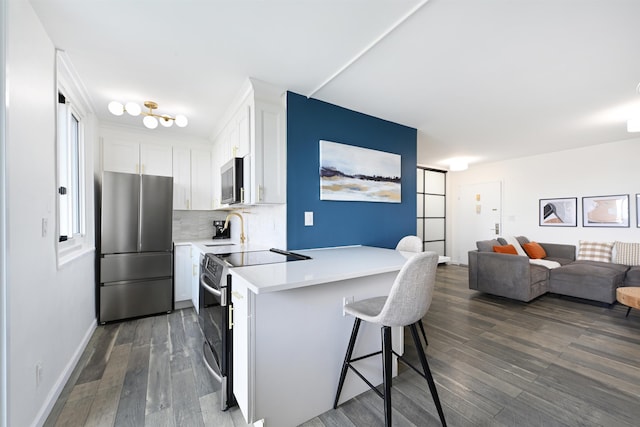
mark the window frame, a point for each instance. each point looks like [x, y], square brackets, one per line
[76, 107]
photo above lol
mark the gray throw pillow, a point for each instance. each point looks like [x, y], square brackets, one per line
[487, 245]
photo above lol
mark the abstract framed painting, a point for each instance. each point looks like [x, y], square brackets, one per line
[605, 211]
[561, 212]
[350, 173]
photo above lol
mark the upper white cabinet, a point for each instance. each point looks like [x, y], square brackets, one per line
[181, 178]
[192, 180]
[201, 180]
[255, 130]
[131, 157]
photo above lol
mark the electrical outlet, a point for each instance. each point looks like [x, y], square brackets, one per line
[44, 227]
[346, 301]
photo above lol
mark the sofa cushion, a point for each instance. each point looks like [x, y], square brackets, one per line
[627, 253]
[633, 277]
[487, 245]
[505, 249]
[534, 250]
[595, 251]
[590, 280]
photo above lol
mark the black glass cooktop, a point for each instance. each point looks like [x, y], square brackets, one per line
[272, 256]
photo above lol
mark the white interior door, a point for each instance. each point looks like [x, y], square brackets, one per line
[478, 216]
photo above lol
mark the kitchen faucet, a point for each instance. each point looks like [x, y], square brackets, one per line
[226, 224]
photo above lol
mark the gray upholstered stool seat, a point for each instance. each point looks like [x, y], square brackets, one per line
[408, 301]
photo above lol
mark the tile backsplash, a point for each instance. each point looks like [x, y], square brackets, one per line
[194, 224]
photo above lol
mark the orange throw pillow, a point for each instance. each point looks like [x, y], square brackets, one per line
[506, 249]
[534, 250]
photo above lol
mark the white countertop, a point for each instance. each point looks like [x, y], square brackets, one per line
[326, 265]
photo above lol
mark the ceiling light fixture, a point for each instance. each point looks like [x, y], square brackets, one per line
[458, 165]
[633, 123]
[150, 119]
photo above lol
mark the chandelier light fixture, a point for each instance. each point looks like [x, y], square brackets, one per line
[150, 119]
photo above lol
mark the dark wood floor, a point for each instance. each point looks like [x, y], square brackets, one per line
[496, 362]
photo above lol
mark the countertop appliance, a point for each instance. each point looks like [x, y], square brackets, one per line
[219, 232]
[136, 267]
[215, 310]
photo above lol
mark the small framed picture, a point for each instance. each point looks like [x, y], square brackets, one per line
[605, 211]
[558, 212]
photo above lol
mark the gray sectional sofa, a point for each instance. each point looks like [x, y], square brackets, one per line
[513, 276]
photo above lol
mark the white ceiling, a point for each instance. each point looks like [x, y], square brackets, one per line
[487, 80]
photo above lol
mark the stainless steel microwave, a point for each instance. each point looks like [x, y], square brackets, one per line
[231, 176]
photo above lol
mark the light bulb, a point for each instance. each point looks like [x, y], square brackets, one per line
[181, 120]
[116, 108]
[150, 122]
[132, 108]
[166, 121]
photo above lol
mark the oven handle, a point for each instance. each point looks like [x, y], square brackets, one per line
[209, 368]
[209, 288]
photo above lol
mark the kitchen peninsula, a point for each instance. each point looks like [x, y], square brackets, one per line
[290, 333]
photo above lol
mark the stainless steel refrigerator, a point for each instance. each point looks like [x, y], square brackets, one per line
[136, 265]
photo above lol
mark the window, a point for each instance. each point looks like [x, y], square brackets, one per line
[74, 144]
[70, 172]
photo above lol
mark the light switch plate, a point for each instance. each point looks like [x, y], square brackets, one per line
[308, 219]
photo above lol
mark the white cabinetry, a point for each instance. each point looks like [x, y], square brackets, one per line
[192, 179]
[181, 178]
[256, 131]
[195, 278]
[131, 157]
[182, 273]
[201, 180]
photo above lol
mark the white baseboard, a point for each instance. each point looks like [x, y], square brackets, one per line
[56, 390]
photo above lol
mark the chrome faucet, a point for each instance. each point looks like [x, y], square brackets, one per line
[226, 224]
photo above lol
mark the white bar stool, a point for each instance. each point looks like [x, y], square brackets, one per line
[408, 301]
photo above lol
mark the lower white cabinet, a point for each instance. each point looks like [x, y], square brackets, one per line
[195, 278]
[182, 273]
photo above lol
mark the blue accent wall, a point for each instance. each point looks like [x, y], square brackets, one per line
[338, 223]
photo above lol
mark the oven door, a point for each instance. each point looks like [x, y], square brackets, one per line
[214, 322]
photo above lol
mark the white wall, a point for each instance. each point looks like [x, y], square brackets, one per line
[51, 310]
[604, 169]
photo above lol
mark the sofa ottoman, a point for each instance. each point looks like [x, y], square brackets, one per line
[633, 277]
[591, 280]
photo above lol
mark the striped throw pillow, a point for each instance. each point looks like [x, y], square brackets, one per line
[627, 253]
[595, 251]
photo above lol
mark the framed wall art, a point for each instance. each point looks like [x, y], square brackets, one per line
[558, 212]
[605, 211]
[350, 173]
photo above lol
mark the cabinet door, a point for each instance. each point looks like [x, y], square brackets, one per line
[244, 131]
[240, 297]
[121, 156]
[269, 156]
[155, 160]
[182, 275]
[195, 279]
[201, 191]
[181, 178]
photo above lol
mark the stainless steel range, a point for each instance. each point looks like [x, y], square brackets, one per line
[215, 310]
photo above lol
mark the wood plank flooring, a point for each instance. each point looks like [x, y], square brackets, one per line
[496, 362]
